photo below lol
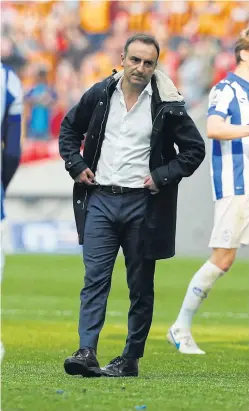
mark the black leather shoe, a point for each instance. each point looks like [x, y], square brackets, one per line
[83, 362]
[121, 367]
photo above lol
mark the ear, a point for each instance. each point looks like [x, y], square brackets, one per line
[244, 55]
[122, 59]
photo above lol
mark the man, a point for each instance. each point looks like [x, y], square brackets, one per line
[125, 192]
[11, 109]
[228, 129]
[40, 99]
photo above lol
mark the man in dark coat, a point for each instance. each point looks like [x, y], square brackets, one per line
[125, 192]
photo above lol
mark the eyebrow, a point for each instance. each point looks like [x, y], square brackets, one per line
[146, 61]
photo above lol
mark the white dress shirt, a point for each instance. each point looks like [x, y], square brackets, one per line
[125, 152]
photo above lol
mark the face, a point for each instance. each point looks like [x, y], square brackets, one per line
[139, 63]
[244, 54]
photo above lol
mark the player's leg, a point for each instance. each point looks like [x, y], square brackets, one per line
[198, 289]
[245, 227]
[100, 249]
[225, 240]
[140, 280]
[2, 243]
[2, 258]
[2, 263]
[2, 268]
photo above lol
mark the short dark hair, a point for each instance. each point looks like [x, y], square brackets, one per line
[143, 38]
[242, 44]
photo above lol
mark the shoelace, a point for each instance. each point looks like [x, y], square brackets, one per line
[81, 351]
[117, 361]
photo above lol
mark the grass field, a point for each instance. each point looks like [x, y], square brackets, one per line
[39, 323]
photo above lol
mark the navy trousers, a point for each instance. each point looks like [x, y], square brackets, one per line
[114, 220]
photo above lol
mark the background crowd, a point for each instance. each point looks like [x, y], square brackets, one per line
[60, 48]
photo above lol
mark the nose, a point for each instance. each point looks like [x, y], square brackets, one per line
[140, 67]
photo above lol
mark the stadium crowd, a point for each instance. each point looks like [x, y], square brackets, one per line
[60, 48]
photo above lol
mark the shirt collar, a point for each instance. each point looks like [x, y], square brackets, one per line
[147, 89]
[243, 83]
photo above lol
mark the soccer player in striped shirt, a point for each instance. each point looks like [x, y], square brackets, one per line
[11, 110]
[228, 130]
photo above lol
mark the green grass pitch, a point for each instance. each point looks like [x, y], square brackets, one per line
[40, 307]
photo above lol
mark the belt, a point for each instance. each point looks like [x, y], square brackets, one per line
[119, 189]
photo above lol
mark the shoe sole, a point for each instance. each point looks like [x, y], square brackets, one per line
[77, 368]
[118, 376]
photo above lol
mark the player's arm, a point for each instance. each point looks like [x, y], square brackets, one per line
[220, 108]
[191, 152]
[73, 127]
[219, 129]
[11, 152]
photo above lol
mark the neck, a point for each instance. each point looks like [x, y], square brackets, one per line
[242, 72]
[130, 90]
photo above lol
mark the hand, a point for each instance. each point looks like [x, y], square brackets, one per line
[86, 177]
[149, 183]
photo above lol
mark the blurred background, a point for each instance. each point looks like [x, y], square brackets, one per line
[59, 49]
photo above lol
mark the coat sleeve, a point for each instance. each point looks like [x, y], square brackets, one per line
[73, 127]
[191, 152]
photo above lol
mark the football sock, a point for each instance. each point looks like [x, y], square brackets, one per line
[198, 289]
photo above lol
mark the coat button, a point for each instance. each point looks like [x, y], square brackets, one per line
[171, 112]
[78, 201]
[69, 163]
[101, 103]
[165, 179]
[92, 136]
[181, 113]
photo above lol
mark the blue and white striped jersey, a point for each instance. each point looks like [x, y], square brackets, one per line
[11, 111]
[230, 158]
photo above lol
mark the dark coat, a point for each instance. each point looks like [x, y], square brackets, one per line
[171, 125]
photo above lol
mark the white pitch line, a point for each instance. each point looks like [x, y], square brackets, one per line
[70, 313]
[229, 314]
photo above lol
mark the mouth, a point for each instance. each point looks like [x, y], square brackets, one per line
[138, 77]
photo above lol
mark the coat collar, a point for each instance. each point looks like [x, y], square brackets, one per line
[167, 91]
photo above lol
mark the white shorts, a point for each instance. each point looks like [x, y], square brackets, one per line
[231, 222]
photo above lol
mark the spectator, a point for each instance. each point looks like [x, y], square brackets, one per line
[239, 18]
[39, 99]
[95, 20]
[194, 73]
[78, 44]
